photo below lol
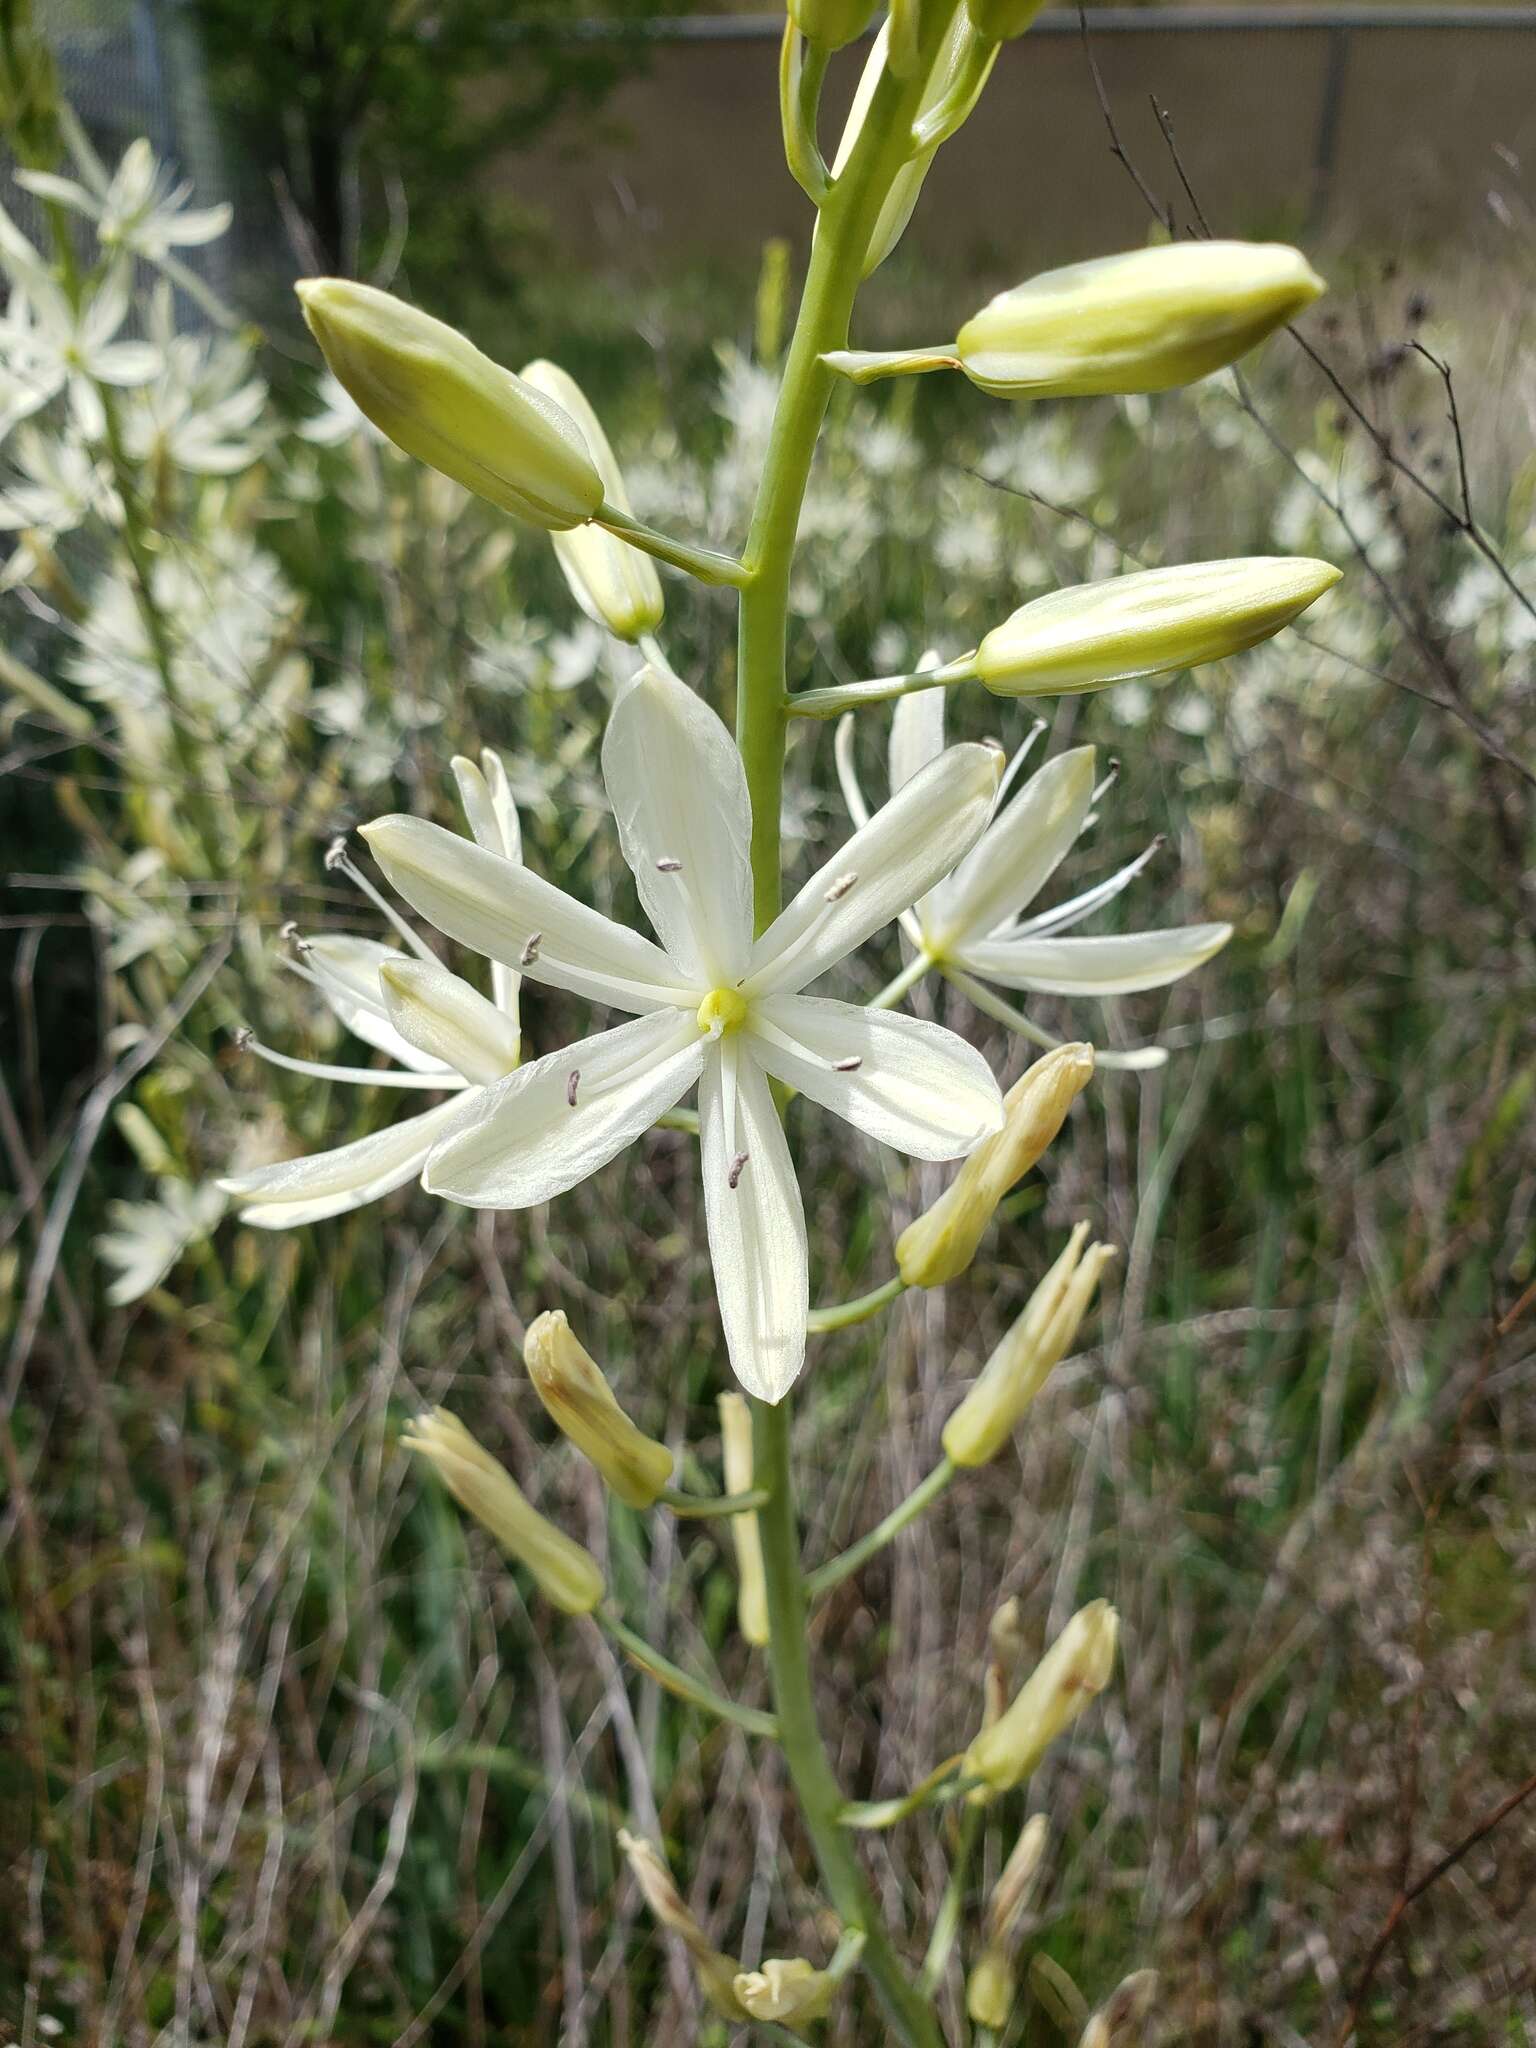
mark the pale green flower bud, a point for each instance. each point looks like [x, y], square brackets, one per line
[1073, 1671]
[831, 23]
[582, 1407]
[566, 1574]
[615, 585]
[991, 1988]
[1001, 20]
[1027, 1355]
[1144, 321]
[793, 1992]
[752, 1590]
[1151, 623]
[437, 397]
[941, 1243]
[717, 1974]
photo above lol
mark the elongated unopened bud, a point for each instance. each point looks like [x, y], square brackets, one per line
[793, 1992]
[436, 396]
[717, 1973]
[1027, 1355]
[581, 1405]
[1144, 321]
[1072, 1672]
[831, 23]
[941, 1243]
[1151, 623]
[1128, 2005]
[615, 585]
[566, 1574]
[752, 1589]
[1005, 1644]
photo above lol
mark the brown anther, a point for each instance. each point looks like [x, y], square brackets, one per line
[840, 887]
[572, 1083]
[850, 1065]
[737, 1169]
[530, 952]
[668, 866]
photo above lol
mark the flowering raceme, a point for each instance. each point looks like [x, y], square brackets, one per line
[715, 1007]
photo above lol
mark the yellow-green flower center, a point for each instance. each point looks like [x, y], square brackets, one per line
[722, 1010]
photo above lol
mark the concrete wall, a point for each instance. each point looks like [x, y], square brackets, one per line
[1431, 142]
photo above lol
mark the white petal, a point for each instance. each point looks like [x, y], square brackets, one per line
[847, 768]
[917, 1087]
[757, 1227]
[125, 362]
[346, 972]
[530, 1141]
[917, 735]
[492, 816]
[329, 1183]
[679, 796]
[897, 857]
[498, 907]
[1018, 852]
[1114, 966]
[198, 224]
[449, 1020]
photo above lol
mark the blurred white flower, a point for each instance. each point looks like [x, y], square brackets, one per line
[715, 1007]
[147, 1238]
[48, 344]
[58, 485]
[139, 209]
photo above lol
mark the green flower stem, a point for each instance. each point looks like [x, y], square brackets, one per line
[840, 697]
[843, 1566]
[908, 978]
[1140, 1059]
[946, 1923]
[696, 1506]
[707, 564]
[885, 1813]
[843, 234]
[842, 1315]
[671, 1678]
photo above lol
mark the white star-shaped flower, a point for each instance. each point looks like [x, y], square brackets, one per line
[712, 1006]
[973, 922]
[444, 1036]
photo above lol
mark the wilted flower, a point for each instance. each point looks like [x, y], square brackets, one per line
[567, 1575]
[717, 1973]
[992, 1984]
[1128, 2005]
[791, 1991]
[717, 1007]
[580, 1402]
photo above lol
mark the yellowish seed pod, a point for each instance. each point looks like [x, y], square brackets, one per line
[991, 1988]
[1027, 1355]
[792, 1992]
[1151, 623]
[566, 1574]
[1073, 1671]
[615, 585]
[1145, 321]
[436, 396]
[581, 1405]
[752, 1589]
[941, 1243]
